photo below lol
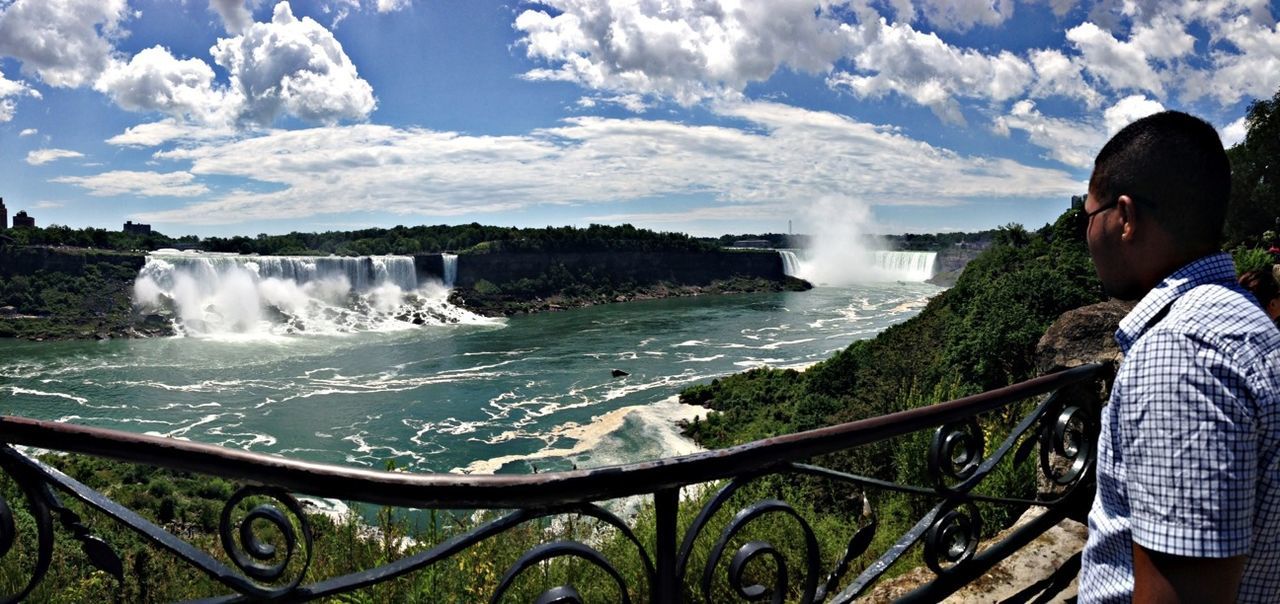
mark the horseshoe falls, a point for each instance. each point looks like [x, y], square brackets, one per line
[859, 266]
[905, 266]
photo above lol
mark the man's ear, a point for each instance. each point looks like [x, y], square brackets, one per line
[1128, 211]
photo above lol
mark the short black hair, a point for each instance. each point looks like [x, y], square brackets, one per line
[1174, 165]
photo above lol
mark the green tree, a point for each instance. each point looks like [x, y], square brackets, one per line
[1255, 174]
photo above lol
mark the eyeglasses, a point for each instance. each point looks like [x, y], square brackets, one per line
[1086, 217]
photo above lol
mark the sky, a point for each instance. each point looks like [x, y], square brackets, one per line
[223, 117]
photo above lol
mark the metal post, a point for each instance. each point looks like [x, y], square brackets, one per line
[666, 504]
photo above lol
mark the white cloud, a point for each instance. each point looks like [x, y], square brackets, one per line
[724, 212]
[786, 156]
[153, 134]
[922, 67]
[1234, 133]
[146, 184]
[1056, 74]
[691, 51]
[292, 66]
[963, 15]
[1164, 37]
[1061, 7]
[1069, 141]
[391, 6]
[1127, 111]
[9, 91]
[47, 205]
[1246, 62]
[235, 15]
[288, 66]
[1240, 56]
[40, 157]
[1123, 65]
[66, 43]
[685, 50]
[1074, 142]
[28, 132]
[155, 80]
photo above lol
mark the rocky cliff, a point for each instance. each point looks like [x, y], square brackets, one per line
[505, 283]
[682, 268]
[56, 292]
[15, 260]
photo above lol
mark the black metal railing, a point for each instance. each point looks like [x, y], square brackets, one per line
[1061, 426]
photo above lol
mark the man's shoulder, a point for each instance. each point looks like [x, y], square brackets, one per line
[1215, 315]
[1221, 310]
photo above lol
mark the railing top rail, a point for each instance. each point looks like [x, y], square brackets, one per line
[514, 491]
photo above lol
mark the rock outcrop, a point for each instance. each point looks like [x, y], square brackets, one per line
[1081, 336]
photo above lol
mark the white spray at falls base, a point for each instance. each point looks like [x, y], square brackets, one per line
[209, 294]
[863, 266]
[840, 252]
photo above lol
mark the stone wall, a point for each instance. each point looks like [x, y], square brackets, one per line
[684, 268]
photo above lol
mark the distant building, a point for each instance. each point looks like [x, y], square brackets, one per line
[22, 220]
[753, 243]
[1077, 202]
[137, 229]
[4, 216]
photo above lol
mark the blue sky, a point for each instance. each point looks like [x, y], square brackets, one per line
[705, 116]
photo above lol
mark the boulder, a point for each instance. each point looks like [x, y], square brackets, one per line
[1081, 336]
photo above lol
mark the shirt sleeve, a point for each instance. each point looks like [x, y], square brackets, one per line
[1190, 447]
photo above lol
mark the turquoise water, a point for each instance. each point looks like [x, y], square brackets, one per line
[532, 392]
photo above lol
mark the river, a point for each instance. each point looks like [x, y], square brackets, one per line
[512, 395]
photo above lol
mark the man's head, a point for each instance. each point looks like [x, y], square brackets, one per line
[1157, 200]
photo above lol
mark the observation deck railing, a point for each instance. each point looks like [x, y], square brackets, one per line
[1061, 426]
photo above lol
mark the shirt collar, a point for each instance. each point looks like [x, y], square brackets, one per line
[1214, 268]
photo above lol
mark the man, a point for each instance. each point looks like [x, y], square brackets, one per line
[1188, 503]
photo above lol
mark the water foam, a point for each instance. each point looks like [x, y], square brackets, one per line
[236, 297]
[660, 419]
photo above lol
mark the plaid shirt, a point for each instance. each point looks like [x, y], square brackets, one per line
[1189, 455]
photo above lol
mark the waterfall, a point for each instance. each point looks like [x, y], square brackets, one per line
[905, 266]
[790, 263]
[450, 262]
[852, 266]
[219, 294]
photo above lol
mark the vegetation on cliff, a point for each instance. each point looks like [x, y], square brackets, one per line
[90, 296]
[466, 238]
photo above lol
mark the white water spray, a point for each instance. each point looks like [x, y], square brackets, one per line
[841, 253]
[214, 295]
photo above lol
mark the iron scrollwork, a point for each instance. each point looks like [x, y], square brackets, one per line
[37, 497]
[956, 452]
[1071, 436]
[953, 538]
[256, 558]
[265, 532]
